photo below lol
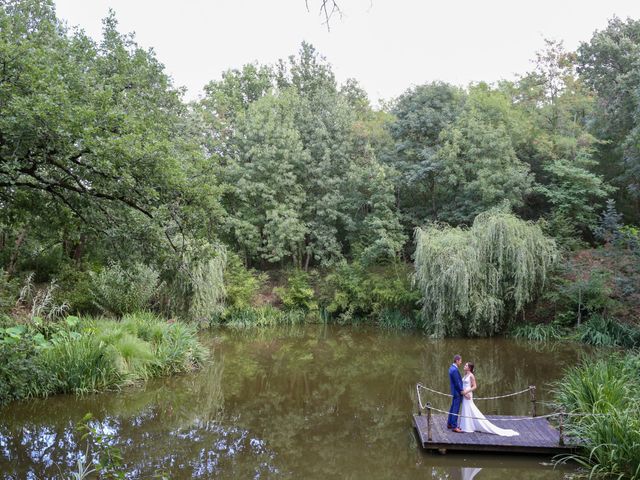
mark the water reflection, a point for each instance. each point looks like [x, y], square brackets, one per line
[305, 402]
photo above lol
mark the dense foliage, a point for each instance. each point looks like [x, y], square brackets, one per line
[473, 280]
[602, 397]
[89, 355]
[283, 188]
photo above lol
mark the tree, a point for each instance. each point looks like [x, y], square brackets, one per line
[559, 147]
[479, 165]
[475, 280]
[422, 113]
[91, 130]
[300, 171]
[265, 195]
[610, 64]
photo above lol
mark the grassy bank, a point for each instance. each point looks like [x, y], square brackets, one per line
[84, 355]
[603, 396]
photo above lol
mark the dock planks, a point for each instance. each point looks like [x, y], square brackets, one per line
[536, 435]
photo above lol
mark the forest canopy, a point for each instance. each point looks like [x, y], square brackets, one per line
[104, 167]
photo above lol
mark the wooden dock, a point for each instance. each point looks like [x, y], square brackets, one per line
[536, 435]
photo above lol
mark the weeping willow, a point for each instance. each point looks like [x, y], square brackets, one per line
[196, 288]
[474, 280]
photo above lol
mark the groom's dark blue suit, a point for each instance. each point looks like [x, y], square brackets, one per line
[456, 387]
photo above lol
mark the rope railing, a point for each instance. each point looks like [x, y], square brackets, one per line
[459, 415]
[532, 389]
[528, 389]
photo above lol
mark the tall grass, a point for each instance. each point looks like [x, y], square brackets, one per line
[265, 316]
[80, 365]
[91, 355]
[602, 395]
[601, 331]
[538, 332]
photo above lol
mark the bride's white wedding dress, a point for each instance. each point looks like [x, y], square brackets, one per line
[478, 423]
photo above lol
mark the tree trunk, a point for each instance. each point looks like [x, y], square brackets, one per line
[79, 248]
[307, 260]
[14, 256]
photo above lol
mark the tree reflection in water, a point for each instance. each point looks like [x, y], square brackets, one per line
[303, 402]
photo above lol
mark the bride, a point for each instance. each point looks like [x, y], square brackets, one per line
[478, 423]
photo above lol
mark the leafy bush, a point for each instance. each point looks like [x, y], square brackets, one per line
[630, 238]
[21, 372]
[353, 291]
[241, 284]
[75, 288]
[563, 229]
[298, 294]
[117, 290]
[579, 297]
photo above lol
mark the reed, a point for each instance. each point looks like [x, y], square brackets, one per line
[90, 355]
[538, 332]
[602, 397]
[264, 316]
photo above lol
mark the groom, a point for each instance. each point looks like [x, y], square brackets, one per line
[456, 393]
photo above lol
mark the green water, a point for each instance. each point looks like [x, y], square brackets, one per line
[307, 402]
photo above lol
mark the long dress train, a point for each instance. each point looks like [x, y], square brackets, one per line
[478, 423]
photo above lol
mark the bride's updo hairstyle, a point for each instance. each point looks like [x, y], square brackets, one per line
[470, 365]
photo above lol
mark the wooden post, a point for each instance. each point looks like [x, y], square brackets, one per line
[532, 391]
[429, 421]
[561, 429]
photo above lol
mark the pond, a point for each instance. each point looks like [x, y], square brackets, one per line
[302, 402]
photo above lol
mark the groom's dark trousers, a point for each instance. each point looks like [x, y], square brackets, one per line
[456, 387]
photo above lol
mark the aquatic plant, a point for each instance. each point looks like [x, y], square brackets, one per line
[394, 320]
[601, 398]
[538, 332]
[84, 355]
[264, 316]
[602, 331]
[472, 280]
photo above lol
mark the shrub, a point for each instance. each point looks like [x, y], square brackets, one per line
[298, 294]
[353, 291]
[117, 290]
[578, 298]
[241, 284]
[606, 332]
[21, 372]
[75, 288]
